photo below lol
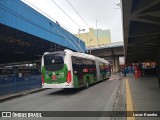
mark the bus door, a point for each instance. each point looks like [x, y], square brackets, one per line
[78, 70]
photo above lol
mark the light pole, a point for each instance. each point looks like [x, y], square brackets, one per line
[90, 45]
[79, 30]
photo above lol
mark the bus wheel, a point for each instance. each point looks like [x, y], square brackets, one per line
[87, 84]
[104, 77]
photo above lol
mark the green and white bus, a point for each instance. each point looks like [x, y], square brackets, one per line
[68, 69]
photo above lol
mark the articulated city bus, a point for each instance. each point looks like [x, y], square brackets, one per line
[68, 69]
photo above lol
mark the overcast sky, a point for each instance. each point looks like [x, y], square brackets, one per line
[106, 12]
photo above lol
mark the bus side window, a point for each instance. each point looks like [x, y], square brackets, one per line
[93, 66]
[74, 63]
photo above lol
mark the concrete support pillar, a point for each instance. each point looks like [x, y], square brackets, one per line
[115, 64]
[158, 66]
[140, 74]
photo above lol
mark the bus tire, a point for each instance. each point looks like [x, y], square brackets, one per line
[87, 84]
[104, 77]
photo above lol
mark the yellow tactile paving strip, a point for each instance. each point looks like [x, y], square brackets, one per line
[129, 103]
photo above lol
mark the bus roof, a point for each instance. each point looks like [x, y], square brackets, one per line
[81, 55]
[87, 56]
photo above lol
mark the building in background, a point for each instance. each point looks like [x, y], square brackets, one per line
[95, 37]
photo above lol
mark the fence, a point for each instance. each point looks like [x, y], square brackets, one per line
[13, 84]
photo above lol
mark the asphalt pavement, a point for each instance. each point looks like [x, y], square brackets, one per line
[102, 96]
[109, 95]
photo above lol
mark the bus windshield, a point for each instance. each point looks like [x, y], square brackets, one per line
[54, 62]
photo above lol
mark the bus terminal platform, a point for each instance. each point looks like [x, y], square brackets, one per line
[145, 95]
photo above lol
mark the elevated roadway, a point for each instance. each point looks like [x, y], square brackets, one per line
[110, 52]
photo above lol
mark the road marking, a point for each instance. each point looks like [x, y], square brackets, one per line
[129, 103]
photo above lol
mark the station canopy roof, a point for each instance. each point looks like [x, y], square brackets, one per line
[16, 46]
[141, 29]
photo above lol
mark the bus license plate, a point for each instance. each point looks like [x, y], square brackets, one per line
[54, 77]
